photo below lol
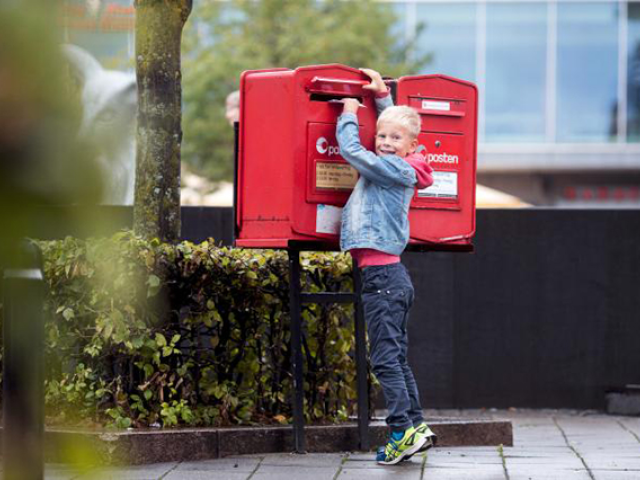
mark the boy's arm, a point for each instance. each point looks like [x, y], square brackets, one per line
[383, 171]
[381, 93]
[383, 102]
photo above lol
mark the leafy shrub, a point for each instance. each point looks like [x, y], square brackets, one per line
[142, 333]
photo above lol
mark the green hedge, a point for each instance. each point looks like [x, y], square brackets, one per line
[142, 333]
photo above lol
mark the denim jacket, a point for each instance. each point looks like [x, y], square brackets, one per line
[377, 213]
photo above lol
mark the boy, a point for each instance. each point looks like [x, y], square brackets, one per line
[375, 230]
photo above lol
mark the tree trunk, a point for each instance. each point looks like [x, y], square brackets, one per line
[156, 210]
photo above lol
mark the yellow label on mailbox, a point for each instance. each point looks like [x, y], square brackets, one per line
[335, 176]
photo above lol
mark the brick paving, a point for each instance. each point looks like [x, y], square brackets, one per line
[548, 445]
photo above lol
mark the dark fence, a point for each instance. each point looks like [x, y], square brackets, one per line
[198, 223]
[546, 313]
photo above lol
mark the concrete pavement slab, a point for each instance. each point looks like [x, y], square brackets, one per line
[564, 462]
[547, 474]
[625, 451]
[615, 475]
[294, 472]
[361, 457]
[487, 451]
[395, 472]
[548, 438]
[613, 463]
[430, 463]
[207, 475]
[632, 424]
[474, 473]
[307, 460]
[234, 464]
[548, 445]
[414, 463]
[138, 472]
[537, 451]
[466, 461]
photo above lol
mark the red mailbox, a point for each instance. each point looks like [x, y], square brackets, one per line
[292, 181]
[444, 213]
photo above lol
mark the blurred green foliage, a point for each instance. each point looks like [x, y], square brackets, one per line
[41, 161]
[222, 39]
[145, 333]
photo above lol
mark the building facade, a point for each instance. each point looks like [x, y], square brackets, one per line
[105, 28]
[559, 84]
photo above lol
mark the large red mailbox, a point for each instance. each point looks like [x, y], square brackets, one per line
[292, 181]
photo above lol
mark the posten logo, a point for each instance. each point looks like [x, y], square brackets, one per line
[323, 147]
[442, 158]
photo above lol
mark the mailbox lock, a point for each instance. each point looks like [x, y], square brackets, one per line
[438, 143]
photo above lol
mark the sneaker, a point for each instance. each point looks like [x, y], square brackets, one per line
[424, 430]
[427, 433]
[399, 448]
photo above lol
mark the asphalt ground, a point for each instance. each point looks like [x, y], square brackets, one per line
[548, 445]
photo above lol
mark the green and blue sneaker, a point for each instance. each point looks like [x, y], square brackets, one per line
[430, 439]
[400, 445]
[424, 430]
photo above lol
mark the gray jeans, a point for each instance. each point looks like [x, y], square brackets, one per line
[387, 296]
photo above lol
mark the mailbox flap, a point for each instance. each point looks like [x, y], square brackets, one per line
[337, 87]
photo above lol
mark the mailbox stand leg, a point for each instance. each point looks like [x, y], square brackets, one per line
[361, 363]
[296, 299]
[296, 351]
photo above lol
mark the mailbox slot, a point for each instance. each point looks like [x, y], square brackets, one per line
[336, 87]
[321, 97]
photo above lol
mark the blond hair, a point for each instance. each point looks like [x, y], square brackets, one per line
[401, 115]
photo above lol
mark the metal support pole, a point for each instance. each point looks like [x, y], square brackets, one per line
[296, 351]
[234, 208]
[23, 390]
[296, 299]
[361, 363]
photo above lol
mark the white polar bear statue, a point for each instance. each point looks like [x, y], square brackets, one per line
[109, 103]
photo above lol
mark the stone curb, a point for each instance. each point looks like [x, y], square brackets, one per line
[174, 445]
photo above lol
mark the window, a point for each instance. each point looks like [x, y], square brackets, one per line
[106, 31]
[587, 72]
[449, 34]
[516, 72]
[633, 74]
[399, 27]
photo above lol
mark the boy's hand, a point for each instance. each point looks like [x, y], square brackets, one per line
[351, 105]
[377, 84]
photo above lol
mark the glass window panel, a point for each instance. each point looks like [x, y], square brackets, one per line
[449, 34]
[399, 28]
[516, 72]
[104, 29]
[587, 72]
[633, 74]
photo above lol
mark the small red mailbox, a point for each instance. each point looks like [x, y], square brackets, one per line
[292, 181]
[444, 213]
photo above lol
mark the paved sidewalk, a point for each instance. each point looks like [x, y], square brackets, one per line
[548, 445]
